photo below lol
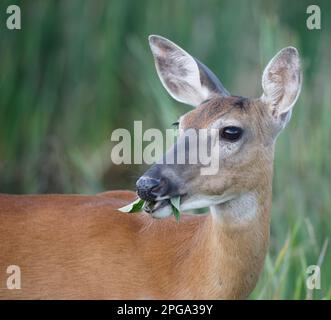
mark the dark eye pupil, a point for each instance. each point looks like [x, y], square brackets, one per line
[231, 133]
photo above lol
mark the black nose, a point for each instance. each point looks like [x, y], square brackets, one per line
[148, 188]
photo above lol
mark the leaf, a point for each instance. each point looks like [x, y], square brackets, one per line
[176, 213]
[135, 206]
[175, 203]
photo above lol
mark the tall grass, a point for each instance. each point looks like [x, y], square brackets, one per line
[79, 69]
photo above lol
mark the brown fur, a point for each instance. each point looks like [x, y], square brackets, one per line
[81, 247]
[73, 246]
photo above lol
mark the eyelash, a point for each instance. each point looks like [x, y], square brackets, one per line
[175, 124]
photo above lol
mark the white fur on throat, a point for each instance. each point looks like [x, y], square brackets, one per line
[238, 211]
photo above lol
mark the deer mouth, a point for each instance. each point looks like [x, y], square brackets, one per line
[153, 206]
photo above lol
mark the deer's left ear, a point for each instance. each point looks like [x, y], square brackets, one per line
[281, 82]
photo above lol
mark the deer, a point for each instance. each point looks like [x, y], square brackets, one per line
[82, 247]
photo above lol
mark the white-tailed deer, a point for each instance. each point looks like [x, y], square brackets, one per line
[74, 246]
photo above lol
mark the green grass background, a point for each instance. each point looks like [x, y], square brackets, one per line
[79, 69]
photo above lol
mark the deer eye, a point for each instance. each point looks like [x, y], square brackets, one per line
[231, 133]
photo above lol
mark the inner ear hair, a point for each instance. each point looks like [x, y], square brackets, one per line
[185, 78]
[281, 81]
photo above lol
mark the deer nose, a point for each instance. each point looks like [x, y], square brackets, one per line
[148, 188]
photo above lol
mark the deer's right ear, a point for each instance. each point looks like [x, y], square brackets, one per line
[185, 78]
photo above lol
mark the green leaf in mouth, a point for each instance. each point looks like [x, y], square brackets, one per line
[134, 206]
[175, 203]
[138, 204]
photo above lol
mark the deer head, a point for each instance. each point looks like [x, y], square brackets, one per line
[246, 131]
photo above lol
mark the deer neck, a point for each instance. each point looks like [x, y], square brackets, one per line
[241, 234]
[231, 246]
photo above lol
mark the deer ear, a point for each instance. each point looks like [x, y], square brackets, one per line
[281, 82]
[185, 78]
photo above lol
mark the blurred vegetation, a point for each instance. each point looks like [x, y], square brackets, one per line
[79, 69]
